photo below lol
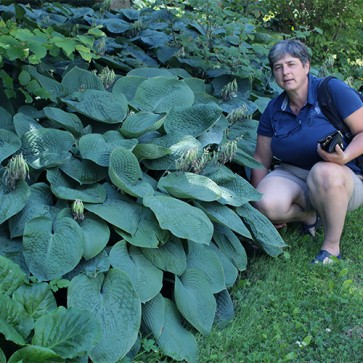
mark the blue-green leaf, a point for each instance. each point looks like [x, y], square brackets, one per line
[11, 276]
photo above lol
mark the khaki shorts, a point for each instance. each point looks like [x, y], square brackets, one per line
[299, 176]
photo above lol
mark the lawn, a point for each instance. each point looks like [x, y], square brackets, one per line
[287, 309]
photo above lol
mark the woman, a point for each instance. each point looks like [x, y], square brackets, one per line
[310, 185]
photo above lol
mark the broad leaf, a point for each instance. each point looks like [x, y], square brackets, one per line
[262, 230]
[204, 259]
[32, 353]
[192, 120]
[145, 277]
[161, 94]
[10, 143]
[162, 318]
[78, 79]
[52, 249]
[225, 309]
[101, 106]
[127, 86]
[24, 123]
[125, 172]
[117, 209]
[15, 323]
[37, 299]
[190, 186]
[180, 218]
[11, 276]
[68, 332]
[194, 299]
[114, 303]
[150, 151]
[14, 201]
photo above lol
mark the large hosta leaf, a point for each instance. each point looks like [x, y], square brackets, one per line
[68, 332]
[13, 250]
[262, 230]
[98, 148]
[225, 309]
[39, 203]
[11, 276]
[194, 299]
[231, 246]
[15, 323]
[161, 94]
[150, 151]
[203, 258]
[126, 174]
[190, 186]
[148, 233]
[14, 201]
[128, 86]
[52, 249]
[226, 216]
[101, 106]
[47, 148]
[37, 299]
[66, 188]
[83, 171]
[33, 353]
[118, 210]
[114, 303]
[136, 124]
[163, 320]
[180, 218]
[150, 72]
[10, 143]
[169, 257]
[192, 120]
[6, 120]
[145, 277]
[78, 79]
[24, 123]
[69, 121]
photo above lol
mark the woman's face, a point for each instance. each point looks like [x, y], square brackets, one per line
[290, 73]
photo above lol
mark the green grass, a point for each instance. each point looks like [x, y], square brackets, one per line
[290, 310]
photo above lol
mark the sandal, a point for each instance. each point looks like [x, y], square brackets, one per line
[324, 257]
[306, 228]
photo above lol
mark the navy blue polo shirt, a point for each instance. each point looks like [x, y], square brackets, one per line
[295, 137]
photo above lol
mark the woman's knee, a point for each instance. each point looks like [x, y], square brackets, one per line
[271, 206]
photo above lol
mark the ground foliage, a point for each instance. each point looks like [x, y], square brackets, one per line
[125, 211]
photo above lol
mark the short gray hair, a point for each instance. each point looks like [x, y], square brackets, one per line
[292, 47]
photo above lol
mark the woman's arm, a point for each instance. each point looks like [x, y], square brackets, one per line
[263, 154]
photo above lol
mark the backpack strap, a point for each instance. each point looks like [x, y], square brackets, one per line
[329, 109]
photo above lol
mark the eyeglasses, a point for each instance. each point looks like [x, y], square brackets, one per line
[285, 133]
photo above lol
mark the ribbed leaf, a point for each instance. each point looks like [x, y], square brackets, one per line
[136, 124]
[37, 299]
[245, 159]
[6, 121]
[98, 147]
[118, 210]
[126, 174]
[190, 186]
[127, 86]
[68, 332]
[10, 143]
[216, 133]
[15, 323]
[203, 258]
[78, 79]
[52, 249]
[262, 230]
[150, 72]
[13, 250]
[148, 233]
[24, 123]
[162, 318]
[225, 216]
[161, 94]
[47, 148]
[150, 151]
[69, 121]
[231, 246]
[180, 218]
[169, 257]
[145, 277]
[192, 120]
[14, 201]
[114, 303]
[83, 171]
[225, 309]
[194, 299]
[230, 270]
[32, 353]
[39, 203]
[66, 188]
[11, 276]
[101, 106]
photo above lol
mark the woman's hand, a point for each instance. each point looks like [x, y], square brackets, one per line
[337, 157]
